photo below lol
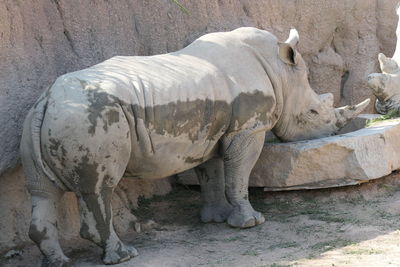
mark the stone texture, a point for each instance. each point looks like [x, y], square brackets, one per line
[346, 159]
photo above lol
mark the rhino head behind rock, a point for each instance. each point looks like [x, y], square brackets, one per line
[306, 115]
[386, 85]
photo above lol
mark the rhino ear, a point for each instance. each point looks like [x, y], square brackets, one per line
[287, 54]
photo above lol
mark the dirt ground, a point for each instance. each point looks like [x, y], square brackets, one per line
[351, 226]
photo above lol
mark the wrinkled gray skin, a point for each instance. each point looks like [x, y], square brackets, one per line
[386, 85]
[206, 107]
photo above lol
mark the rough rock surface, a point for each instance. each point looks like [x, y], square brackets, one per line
[41, 40]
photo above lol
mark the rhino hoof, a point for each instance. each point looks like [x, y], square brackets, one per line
[63, 262]
[123, 253]
[217, 213]
[245, 220]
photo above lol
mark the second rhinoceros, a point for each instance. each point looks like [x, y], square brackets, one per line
[206, 106]
[386, 85]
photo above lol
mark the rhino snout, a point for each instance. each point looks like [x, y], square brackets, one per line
[379, 83]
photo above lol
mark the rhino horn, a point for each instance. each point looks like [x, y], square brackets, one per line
[347, 113]
[293, 38]
[388, 65]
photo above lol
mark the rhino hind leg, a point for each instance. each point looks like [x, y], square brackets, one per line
[97, 226]
[43, 228]
[215, 208]
[240, 153]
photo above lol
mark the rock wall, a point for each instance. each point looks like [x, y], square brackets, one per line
[42, 39]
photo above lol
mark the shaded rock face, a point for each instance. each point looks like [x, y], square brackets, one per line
[44, 39]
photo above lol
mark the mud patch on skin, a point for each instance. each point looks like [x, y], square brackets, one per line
[183, 117]
[98, 102]
[102, 219]
[85, 232]
[190, 118]
[246, 105]
[193, 117]
[54, 145]
[88, 175]
[57, 150]
[193, 160]
[112, 117]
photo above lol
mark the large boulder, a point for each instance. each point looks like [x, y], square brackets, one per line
[347, 159]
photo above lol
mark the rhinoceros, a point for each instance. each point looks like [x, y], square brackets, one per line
[386, 85]
[207, 106]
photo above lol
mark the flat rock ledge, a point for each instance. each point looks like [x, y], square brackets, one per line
[346, 159]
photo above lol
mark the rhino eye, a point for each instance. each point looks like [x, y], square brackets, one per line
[313, 111]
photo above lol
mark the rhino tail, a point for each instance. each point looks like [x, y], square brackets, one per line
[40, 178]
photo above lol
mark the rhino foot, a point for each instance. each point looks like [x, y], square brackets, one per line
[216, 213]
[119, 253]
[245, 217]
[61, 262]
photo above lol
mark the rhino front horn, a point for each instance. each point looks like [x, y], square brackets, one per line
[347, 113]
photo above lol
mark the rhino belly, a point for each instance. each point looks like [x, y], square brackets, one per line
[169, 156]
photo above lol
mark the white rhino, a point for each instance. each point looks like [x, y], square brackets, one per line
[206, 106]
[386, 85]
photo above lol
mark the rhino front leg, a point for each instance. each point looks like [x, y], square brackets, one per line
[240, 153]
[96, 226]
[212, 181]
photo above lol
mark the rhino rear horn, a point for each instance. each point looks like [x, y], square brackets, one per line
[388, 65]
[347, 113]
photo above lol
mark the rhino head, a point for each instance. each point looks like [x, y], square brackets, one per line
[386, 85]
[304, 114]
